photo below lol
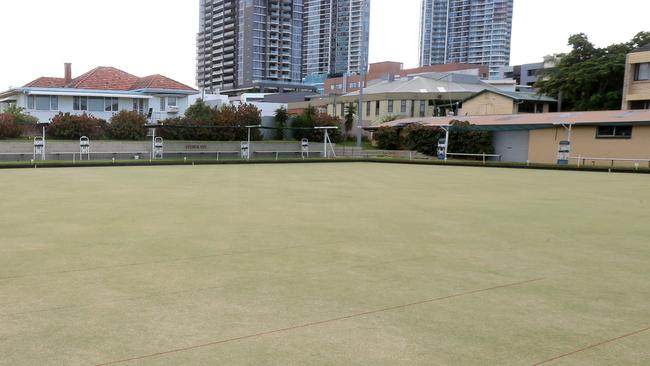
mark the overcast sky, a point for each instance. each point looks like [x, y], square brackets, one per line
[146, 37]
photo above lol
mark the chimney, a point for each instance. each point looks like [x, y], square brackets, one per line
[68, 72]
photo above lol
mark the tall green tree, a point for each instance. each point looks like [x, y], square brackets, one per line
[281, 118]
[588, 77]
[350, 115]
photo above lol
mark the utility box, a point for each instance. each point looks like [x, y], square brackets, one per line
[564, 153]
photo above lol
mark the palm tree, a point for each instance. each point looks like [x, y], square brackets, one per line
[350, 114]
[281, 118]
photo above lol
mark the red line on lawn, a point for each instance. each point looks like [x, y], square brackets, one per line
[321, 322]
[593, 346]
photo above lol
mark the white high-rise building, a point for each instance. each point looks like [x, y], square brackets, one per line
[244, 43]
[335, 36]
[466, 31]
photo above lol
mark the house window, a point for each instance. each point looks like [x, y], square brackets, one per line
[390, 106]
[96, 104]
[111, 104]
[368, 108]
[614, 132]
[172, 101]
[642, 72]
[140, 105]
[162, 103]
[403, 107]
[342, 109]
[423, 108]
[43, 102]
[377, 108]
[80, 103]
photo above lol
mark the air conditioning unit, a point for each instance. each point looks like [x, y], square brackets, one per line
[172, 109]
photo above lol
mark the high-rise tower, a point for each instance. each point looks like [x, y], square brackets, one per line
[242, 42]
[466, 31]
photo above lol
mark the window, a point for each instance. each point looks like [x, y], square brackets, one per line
[614, 132]
[423, 108]
[172, 101]
[390, 106]
[80, 104]
[403, 107]
[642, 72]
[640, 104]
[162, 104]
[377, 108]
[111, 104]
[140, 105]
[368, 108]
[43, 102]
[342, 109]
[96, 104]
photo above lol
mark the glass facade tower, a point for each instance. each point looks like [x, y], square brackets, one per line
[335, 36]
[466, 31]
[243, 41]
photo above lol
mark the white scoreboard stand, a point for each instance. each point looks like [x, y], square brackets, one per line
[39, 148]
[158, 148]
[304, 146]
[245, 150]
[84, 148]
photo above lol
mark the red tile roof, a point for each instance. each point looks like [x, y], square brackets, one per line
[110, 78]
[104, 78]
[45, 82]
[159, 82]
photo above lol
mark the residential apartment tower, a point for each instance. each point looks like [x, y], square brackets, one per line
[243, 42]
[466, 31]
[272, 44]
[335, 36]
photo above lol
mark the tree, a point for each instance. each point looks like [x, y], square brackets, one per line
[128, 125]
[199, 111]
[304, 125]
[350, 114]
[281, 118]
[8, 126]
[590, 78]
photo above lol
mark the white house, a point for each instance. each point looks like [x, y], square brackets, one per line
[101, 92]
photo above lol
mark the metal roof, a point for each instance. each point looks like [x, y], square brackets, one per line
[532, 121]
[429, 83]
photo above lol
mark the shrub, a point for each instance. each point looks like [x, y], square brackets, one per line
[417, 137]
[225, 124]
[8, 127]
[128, 125]
[387, 138]
[71, 127]
[304, 126]
[468, 141]
[21, 117]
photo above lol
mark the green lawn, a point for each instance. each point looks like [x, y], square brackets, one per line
[323, 264]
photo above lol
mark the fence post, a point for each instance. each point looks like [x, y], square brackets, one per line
[483, 158]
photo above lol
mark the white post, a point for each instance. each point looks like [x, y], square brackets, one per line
[325, 145]
[447, 141]
[248, 157]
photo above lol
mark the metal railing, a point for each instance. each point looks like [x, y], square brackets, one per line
[483, 155]
[582, 160]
